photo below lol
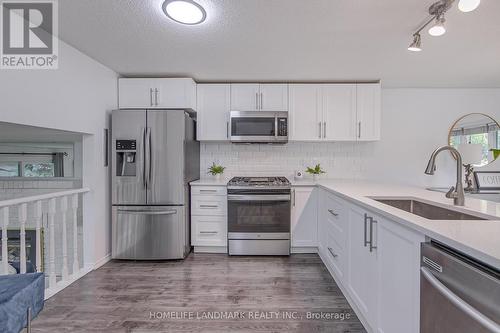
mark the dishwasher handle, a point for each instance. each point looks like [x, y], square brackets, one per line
[460, 303]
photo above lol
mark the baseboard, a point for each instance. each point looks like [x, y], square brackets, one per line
[304, 249]
[102, 261]
[210, 249]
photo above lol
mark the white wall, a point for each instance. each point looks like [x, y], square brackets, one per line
[414, 123]
[76, 97]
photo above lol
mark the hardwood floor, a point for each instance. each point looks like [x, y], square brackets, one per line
[270, 294]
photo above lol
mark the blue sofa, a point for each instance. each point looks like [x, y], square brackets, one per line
[18, 293]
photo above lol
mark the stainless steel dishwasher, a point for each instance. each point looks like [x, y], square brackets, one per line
[457, 294]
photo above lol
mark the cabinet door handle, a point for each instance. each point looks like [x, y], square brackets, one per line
[332, 253]
[208, 232]
[372, 222]
[332, 212]
[151, 96]
[227, 129]
[293, 198]
[208, 191]
[366, 242]
[359, 130]
[157, 93]
[319, 129]
[324, 130]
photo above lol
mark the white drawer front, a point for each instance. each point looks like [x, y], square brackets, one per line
[208, 190]
[208, 231]
[336, 258]
[208, 205]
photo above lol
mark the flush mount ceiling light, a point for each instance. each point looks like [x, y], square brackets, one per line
[184, 11]
[468, 5]
[436, 15]
[415, 46]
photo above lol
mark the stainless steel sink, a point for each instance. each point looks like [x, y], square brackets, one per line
[427, 210]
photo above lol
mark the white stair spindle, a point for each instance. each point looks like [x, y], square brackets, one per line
[37, 212]
[52, 241]
[64, 210]
[74, 208]
[22, 215]
[5, 255]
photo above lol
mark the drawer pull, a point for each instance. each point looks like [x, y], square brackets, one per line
[209, 232]
[333, 213]
[208, 191]
[332, 253]
[209, 206]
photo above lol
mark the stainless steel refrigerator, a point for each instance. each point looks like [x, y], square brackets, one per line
[154, 157]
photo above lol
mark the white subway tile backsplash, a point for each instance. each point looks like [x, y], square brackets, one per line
[339, 159]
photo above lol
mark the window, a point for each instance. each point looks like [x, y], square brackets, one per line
[9, 169]
[36, 160]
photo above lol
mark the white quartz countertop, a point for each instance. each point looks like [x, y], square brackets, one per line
[479, 239]
[210, 182]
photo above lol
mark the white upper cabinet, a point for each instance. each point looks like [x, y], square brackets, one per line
[304, 226]
[151, 93]
[305, 114]
[245, 97]
[213, 107]
[368, 112]
[274, 97]
[259, 97]
[334, 112]
[339, 112]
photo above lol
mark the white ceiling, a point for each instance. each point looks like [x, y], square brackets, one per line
[289, 40]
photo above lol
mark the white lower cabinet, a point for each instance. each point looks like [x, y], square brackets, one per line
[209, 219]
[374, 260]
[304, 226]
[398, 263]
[362, 275]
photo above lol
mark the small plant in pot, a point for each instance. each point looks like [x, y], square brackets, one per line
[216, 170]
[315, 172]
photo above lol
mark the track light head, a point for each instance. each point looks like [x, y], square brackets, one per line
[468, 5]
[438, 28]
[416, 45]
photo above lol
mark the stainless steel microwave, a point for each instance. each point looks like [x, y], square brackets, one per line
[259, 127]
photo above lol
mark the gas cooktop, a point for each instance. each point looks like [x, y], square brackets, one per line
[259, 182]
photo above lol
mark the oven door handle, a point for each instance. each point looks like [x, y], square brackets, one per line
[458, 302]
[258, 197]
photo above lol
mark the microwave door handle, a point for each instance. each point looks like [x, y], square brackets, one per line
[484, 321]
[276, 126]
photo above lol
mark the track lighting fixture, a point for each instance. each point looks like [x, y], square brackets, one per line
[436, 16]
[468, 5]
[415, 46]
[438, 28]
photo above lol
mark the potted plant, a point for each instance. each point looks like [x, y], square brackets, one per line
[216, 170]
[315, 172]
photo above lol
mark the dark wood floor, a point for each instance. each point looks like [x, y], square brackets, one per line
[140, 296]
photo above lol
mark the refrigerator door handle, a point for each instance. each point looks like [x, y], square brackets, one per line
[148, 153]
[143, 157]
[147, 212]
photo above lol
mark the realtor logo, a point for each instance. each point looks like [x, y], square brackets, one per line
[29, 34]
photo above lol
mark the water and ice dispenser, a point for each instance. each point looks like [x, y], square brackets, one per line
[126, 158]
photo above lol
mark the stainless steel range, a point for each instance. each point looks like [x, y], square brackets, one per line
[259, 216]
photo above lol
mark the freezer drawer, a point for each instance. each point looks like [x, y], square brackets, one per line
[148, 232]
